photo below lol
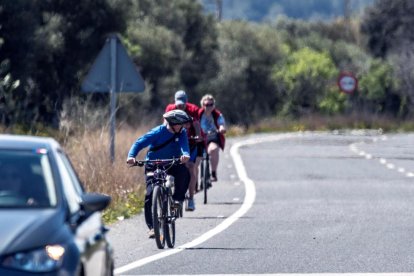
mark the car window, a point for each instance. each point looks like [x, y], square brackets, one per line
[26, 179]
[71, 186]
[73, 175]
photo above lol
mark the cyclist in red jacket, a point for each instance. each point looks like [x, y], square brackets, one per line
[193, 130]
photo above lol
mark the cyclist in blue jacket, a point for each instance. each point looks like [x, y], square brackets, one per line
[165, 141]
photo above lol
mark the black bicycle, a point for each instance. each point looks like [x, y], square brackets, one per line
[205, 182]
[164, 211]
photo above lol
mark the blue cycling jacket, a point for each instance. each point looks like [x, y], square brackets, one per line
[156, 137]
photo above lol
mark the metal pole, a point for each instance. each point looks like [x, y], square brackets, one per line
[219, 9]
[113, 97]
[347, 9]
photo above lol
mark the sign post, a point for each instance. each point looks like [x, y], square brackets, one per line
[113, 71]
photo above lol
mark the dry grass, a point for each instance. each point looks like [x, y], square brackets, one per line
[320, 123]
[84, 133]
[90, 156]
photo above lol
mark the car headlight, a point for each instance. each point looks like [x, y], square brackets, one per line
[40, 260]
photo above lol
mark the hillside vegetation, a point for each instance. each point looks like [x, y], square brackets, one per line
[269, 10]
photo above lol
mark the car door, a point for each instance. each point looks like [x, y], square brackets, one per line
[90, 236]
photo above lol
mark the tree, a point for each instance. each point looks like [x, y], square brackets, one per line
[305, 79]
[8, 106]
[196, 32]
[243, 87]
[388, 24]
[51, 49]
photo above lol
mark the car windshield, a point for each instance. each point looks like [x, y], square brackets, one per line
[26, 179]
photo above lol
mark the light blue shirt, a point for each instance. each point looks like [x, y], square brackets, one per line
[208, 125]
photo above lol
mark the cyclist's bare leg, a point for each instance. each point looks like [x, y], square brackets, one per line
[197, 165]
[213, 151]
[193, 178]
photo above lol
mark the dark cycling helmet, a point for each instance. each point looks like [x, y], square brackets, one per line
[177, 117]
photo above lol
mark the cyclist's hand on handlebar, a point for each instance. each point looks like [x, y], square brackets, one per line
[222, 129]
[131, 161]
[184, 158]
[197, 138]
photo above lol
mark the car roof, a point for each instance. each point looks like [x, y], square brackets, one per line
[10, 141]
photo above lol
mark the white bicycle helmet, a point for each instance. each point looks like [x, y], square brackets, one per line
[177, 117]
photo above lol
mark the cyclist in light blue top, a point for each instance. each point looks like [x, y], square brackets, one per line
[213, 127]
[166, 141]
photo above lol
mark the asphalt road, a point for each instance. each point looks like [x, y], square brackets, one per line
[337, 202]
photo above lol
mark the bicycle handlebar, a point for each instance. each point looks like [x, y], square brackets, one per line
[141, 163]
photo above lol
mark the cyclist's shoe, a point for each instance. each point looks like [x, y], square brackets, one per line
[177, 204]
[213, 177]
[190, 205]
[151, 234]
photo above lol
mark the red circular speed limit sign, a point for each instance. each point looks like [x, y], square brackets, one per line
[347, 82]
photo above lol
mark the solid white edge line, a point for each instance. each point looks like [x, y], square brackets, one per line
[250, 195]
[304, 274]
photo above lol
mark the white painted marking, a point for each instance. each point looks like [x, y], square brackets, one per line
[298, 274]
[236, 199]
[390, 166]
[232, 176]
[237, 183]
[250, 195]
[353, 147]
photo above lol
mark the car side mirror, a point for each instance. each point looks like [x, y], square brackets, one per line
[93, 202]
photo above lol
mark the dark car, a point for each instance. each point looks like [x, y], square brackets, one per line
[48, 224]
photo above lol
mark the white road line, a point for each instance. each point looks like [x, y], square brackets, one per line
[300, 274]
[390, 166]
[368, 156]
[353, 147]
[250, 195]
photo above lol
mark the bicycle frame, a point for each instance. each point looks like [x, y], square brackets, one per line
[163, 214]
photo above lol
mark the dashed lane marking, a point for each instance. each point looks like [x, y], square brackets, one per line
[354, 147]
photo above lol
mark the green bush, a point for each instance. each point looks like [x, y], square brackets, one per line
[305, 79]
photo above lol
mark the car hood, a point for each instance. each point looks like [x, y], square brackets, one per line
[23, 229]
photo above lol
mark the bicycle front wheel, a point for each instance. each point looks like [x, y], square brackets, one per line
[170, 225]
[206, 177]
[158, 216]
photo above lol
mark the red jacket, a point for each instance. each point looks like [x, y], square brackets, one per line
[193, 111]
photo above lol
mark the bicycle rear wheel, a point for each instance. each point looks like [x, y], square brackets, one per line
[158, 217]
[170, 225]
[202, 174]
